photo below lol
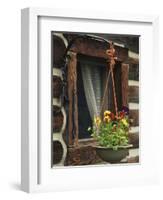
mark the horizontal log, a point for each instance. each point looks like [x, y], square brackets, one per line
[133, 72]
[82, 155]
[58, 51]
[134, 116]
[133, 91]
[57, 86]
[57, 152]
[56, 109]
[132, 61]
[97, 48]
[133, 99]
[57, 121]
[134, 139]
[133, 94]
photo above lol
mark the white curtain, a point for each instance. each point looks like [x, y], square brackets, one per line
[92, 88]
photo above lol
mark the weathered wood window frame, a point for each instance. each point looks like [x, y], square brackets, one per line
[73, 97]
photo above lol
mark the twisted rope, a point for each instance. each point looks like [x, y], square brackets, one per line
[111, 55]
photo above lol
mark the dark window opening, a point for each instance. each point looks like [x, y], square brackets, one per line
[118, 89]
[84, 117]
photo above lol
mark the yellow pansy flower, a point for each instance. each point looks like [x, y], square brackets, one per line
[124, 121]
[107, 119]
[97, 121]
[107, 113]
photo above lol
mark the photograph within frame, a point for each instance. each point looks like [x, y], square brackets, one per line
[95, 99]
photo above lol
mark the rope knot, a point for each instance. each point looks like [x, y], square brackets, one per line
[111, 54]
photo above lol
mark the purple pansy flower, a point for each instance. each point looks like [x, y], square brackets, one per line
[125, 109]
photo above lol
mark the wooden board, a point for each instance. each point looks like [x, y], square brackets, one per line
[57, 86]
[58, 51]
[73, 101]
[82, 155]
[57, 121]
[133, 72]
[70, 102]
[57, 152]
[134, 139]
[134, 115]
[124, 83]
[96, 48]
[133, 94]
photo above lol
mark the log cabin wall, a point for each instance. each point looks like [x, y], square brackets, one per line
[133, 97]
[59, 118]
[84, 153]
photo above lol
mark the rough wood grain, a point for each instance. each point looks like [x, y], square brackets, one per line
[134, 139]
[124, 83]
[58, 50]
[74, 59]
[134, 115]
[133, 93]
[57, 121]
[134, 72]
[96, 48]
[57, 86]
[133, 60]
[57, 152]
[82, 155]
[70, 104]
[73, 99]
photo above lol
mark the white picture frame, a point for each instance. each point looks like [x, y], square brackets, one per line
[36, 173]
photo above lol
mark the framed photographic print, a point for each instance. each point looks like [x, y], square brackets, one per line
[87, 88]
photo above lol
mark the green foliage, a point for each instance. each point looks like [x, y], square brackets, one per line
[112, 134]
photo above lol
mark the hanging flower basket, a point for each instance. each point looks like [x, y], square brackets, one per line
[111, 134]
[113, 156]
